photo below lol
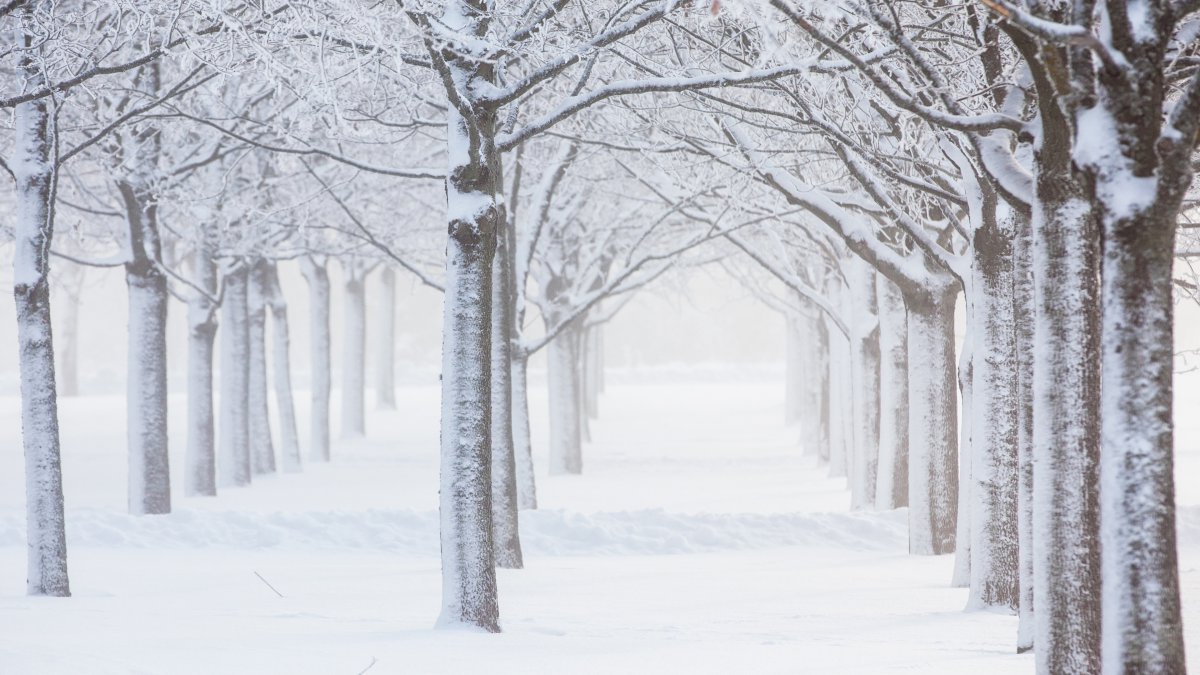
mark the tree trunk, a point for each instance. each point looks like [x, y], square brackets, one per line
[33, 171]
[1023, 310]
[233, 464]
[146, 404]
[505, 535]
[933, 451]
[262, 449]
[1142, 623]
[1066, 438]
[289, 437]
[522, 447]
[865, 369]
[317, 278]
[994, 419]
[354, 365]
[566, 436]
[468, 565]
[385, 367]
[892, 486]
[593, 376]
[200, 477]
[823, 437]
[149, 475]
[961, 576]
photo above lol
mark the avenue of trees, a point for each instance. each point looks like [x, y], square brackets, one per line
[865, 168]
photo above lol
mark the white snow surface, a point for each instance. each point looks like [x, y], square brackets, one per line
[698, 540]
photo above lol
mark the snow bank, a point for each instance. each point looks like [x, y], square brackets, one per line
[648, 532]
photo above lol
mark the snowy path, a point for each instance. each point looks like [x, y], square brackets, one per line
[698, 541]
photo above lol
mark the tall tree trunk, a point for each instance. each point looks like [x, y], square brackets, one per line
[522, 447]
[994, 418]
[289, 437]
[865, 368]
[933, 442]
[385, 367]
[892, 486]
[200, 465]
[33, 170]
[1142, 622]
[262, 449]
[566, 436]
[506, 539]
[233, 462]
[354, 367]
[468, 566]
[1023, 310]
[317, 278]
[961, 576]
[1066, 438]
[146, 405]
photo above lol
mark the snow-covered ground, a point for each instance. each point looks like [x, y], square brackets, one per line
[697, 541]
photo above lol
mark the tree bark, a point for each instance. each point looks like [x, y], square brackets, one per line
[34, 174]
[200, 477]
[1066, 439]
[317, 278]
[262, 449]
[933, 445]
[233, 463]
[385, 367]
[994, 418]
[1023, 309]
[472, 185]
[1142, 621]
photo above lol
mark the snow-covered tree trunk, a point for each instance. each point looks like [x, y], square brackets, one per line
[146, 398]
[522, 447]
[961, 576]
[994, 418]
[505, 535]
[321, 343]
[385, 365]
[1023, 311]
[865, 359]
[468, 572]
[289, 437]
[262, 449]
[1142, 622]
[562, 373]
[933, 442]
[34, 175]
[200, 465]
[354, 351]
[1066, 438]
[233, 461]
[821, 376]
[891, 489]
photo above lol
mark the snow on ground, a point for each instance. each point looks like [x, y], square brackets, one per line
[697, 541]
